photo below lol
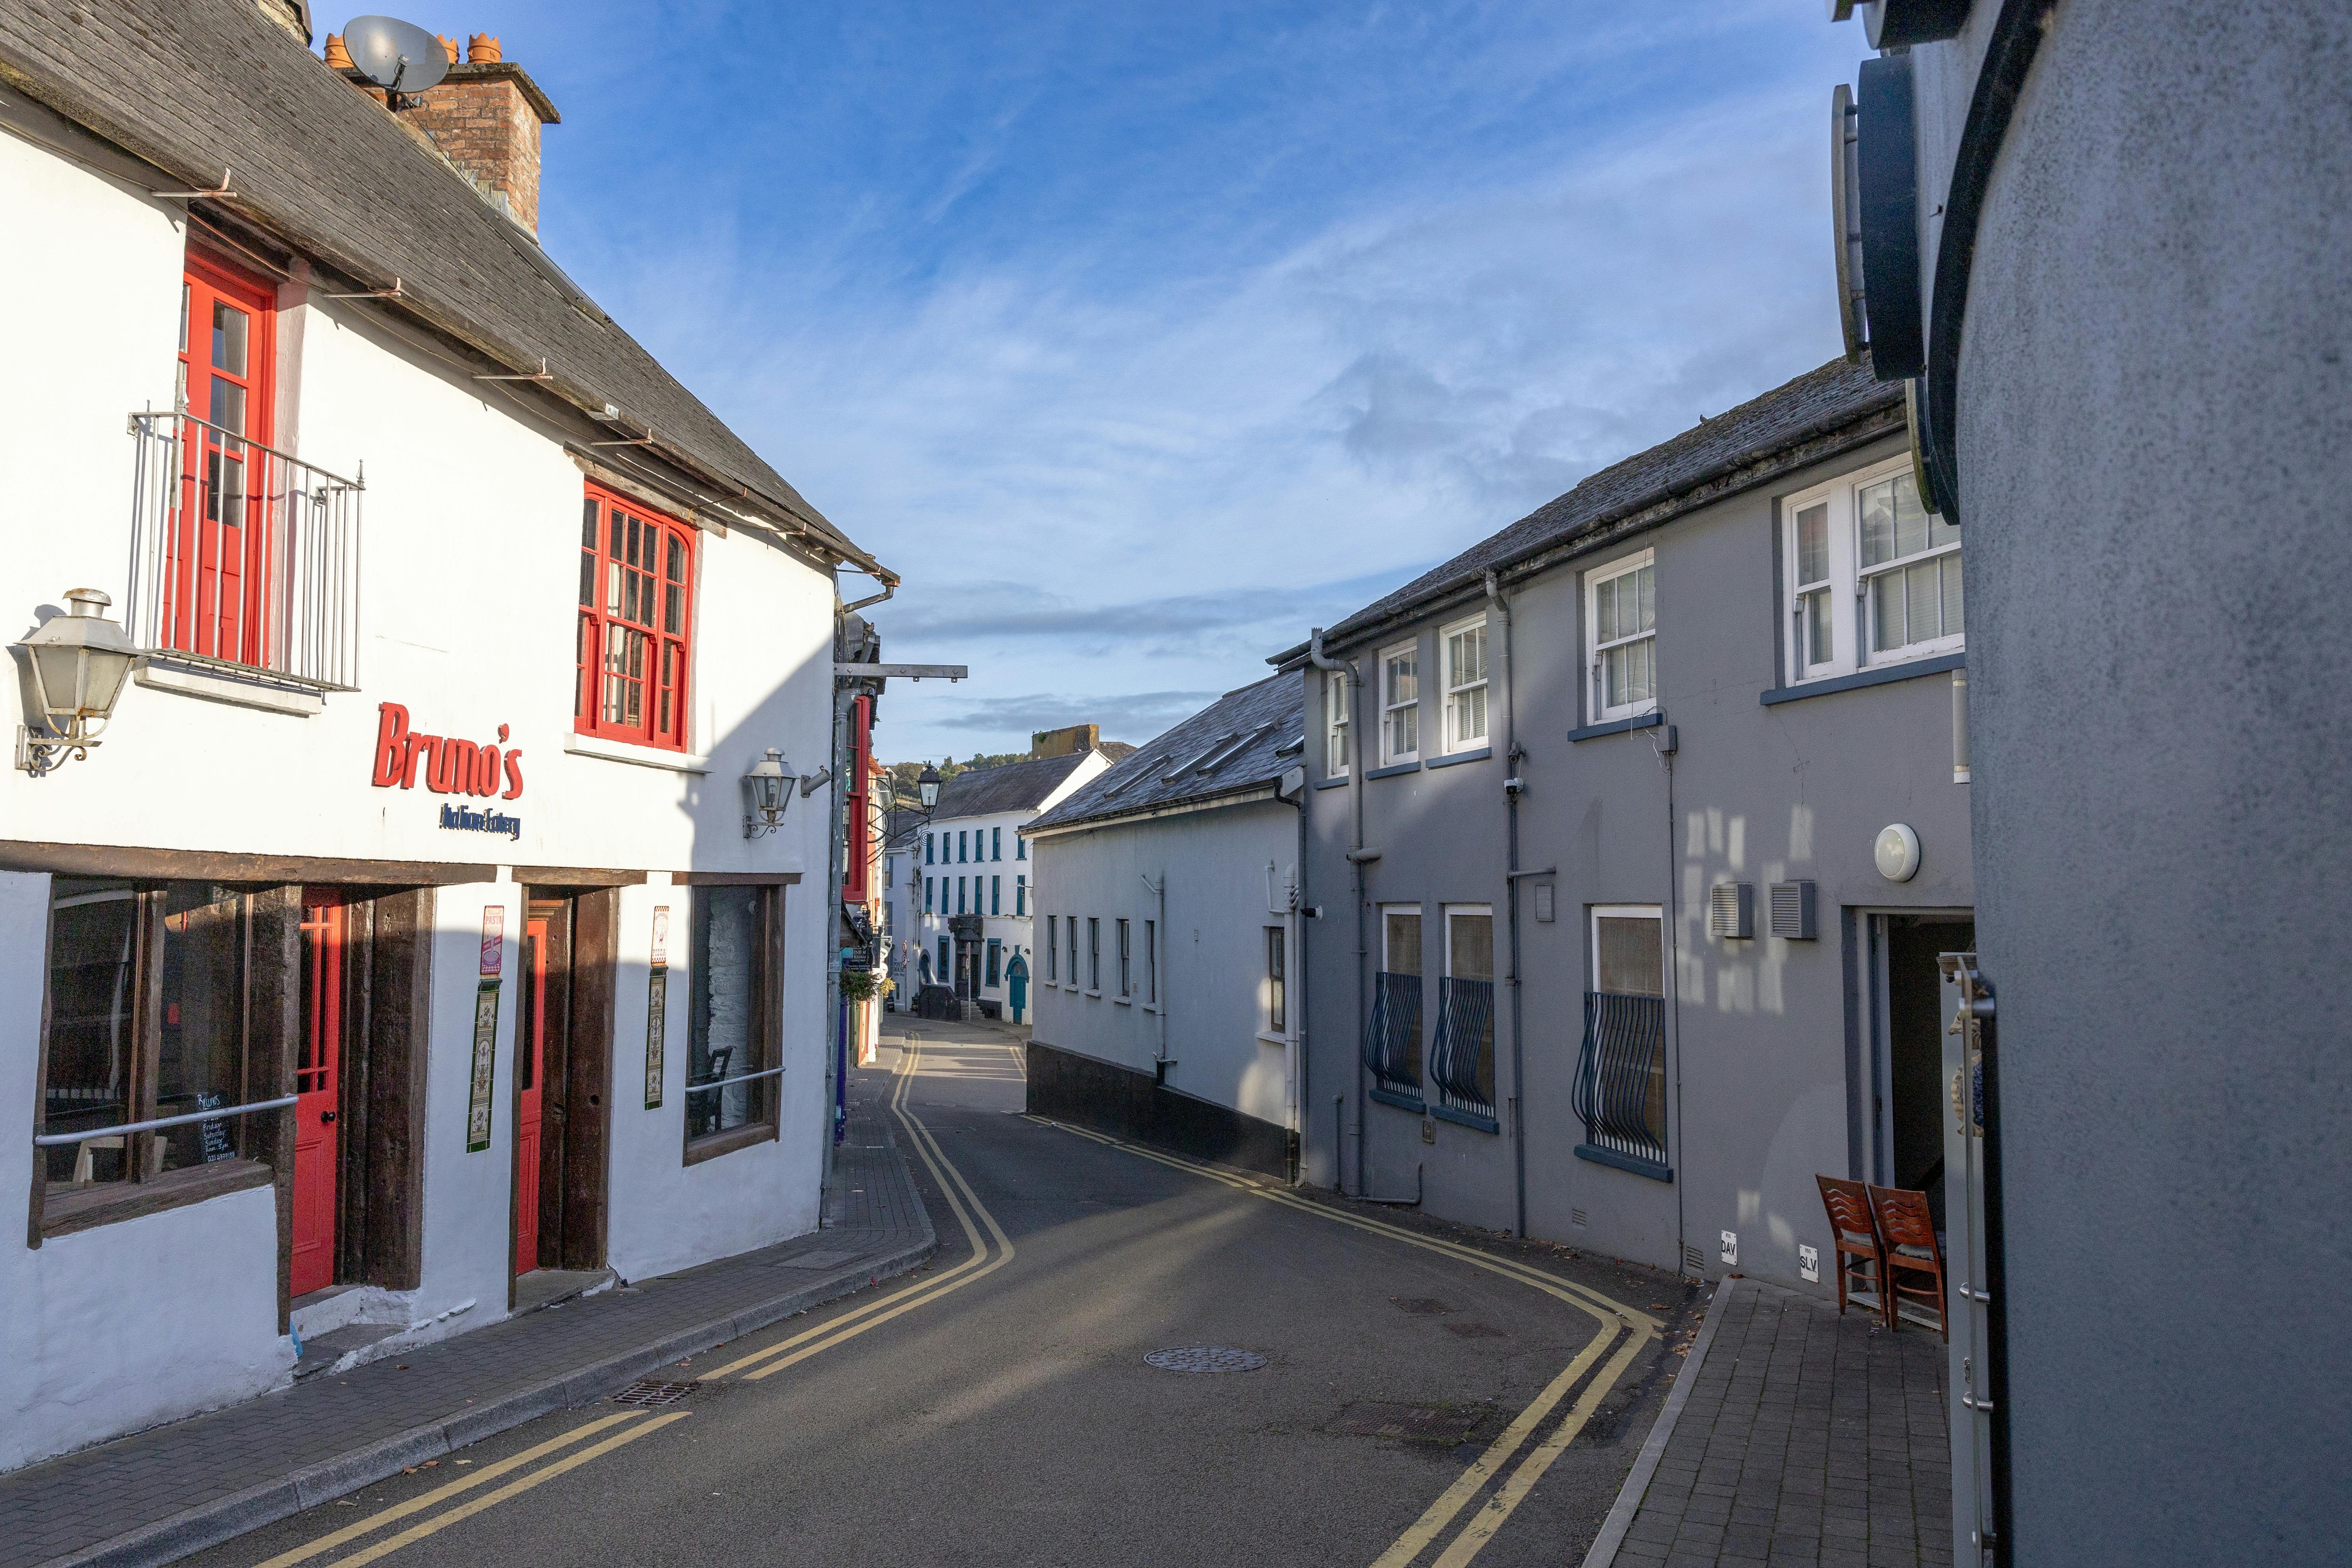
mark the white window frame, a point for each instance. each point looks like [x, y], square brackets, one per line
[1849, 592]
[1596, 913]
[1445, 917]
[1336, 749]
[1457, 693]
[1392, 705]
[1596, 650]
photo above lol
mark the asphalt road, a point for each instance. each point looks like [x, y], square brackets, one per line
[1429, 1395]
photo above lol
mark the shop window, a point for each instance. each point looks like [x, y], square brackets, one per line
[633, 642]
[147, 1020]
[734, 1024]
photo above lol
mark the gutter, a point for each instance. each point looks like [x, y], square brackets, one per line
[1358, 857]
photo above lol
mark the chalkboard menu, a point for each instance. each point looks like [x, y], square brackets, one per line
[216, 1142]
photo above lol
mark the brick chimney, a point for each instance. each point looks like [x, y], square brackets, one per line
[484, 118]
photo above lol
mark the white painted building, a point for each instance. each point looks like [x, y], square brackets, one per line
[975, 869]
[423, 822]
[1168, 895]
[902, 905]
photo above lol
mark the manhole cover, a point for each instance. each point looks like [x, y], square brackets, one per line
[1412, 1423]
[1205, 1358]
[652, 1396]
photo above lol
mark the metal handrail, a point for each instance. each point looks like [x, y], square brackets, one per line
[182, 411]
[52, 1140]
[731, 1082]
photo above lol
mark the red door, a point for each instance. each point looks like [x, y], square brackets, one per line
[316, 1085]
[220, 545]
[529, 1061]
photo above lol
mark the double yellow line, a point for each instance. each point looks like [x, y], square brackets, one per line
[628, 1425]
[1628, 1330]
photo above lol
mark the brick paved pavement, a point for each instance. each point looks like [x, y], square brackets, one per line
[160, 1494]
[1806, 1438]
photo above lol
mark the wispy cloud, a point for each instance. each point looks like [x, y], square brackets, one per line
[1142, 342]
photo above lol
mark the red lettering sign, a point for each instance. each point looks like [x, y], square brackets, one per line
[448, 766]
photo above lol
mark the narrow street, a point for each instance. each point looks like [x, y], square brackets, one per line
[1428, 1394]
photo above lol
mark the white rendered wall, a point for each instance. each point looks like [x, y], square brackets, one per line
[1213, 953]
[472, 530]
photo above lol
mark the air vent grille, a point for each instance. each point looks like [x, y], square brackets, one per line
[1792, 911]
[1731, 910]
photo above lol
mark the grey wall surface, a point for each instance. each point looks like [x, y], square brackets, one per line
[2155, 431]
[1213, 954]
[1758, 1031]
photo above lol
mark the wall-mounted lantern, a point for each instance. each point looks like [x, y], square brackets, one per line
[78, 663]
[766, 794]
[927, 784]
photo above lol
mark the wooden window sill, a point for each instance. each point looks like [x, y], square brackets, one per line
[65, 1210]
[727, 1142]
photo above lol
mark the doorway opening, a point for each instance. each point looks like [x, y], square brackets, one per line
[1907, 1098]
[562, 1079]
[318, 1091]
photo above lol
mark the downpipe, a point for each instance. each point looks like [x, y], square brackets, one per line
[1358, 856]
[1512, 787]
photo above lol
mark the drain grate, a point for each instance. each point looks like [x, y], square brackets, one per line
[1409, 1423]
[1421, 1305]
[652, 1394]
[1205, 1358]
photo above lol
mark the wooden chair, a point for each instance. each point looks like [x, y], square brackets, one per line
[1909, 1230]
[1854, 1231]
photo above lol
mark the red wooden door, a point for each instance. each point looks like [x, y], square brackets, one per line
[218, 575]
[530, 1062]
[317, 1075]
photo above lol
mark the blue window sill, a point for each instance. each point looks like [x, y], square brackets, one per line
[1480, 755]
[1855, 682]
[1466, 1118]
[1402, 1101]
[1618, 726]
[1391, 771]
[1339, 782]
[1634, 1162]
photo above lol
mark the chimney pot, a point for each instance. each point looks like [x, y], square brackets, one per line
[482, 49]
[450, 46]
[338, 57]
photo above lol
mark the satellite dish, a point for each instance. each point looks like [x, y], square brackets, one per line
[398, 57]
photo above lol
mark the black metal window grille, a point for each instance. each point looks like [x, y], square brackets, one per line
[1621, 1082]
[1392, 1039]
[1463, 1063]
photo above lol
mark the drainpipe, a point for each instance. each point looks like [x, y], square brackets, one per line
[836, 1067]
[1304, 912]
[1160, 970]
[1512, 787]
[1359, 857]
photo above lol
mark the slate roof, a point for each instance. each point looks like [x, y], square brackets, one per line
[194, 86]
[1008, 786]
[1245, 740]
[1818, 415]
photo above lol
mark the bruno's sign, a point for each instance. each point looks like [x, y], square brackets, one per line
[446, 765]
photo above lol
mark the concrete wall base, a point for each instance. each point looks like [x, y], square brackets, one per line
[1124, 1103]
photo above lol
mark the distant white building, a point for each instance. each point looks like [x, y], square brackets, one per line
[1170, 931]
[974, 882]
[902, 906]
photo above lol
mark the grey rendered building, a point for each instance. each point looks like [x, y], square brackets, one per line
[1635, 984]
[2114, 252]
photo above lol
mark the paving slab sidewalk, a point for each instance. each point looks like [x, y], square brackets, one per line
[158, 1495]
[1796, 1435]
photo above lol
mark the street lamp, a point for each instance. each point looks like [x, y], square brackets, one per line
[765, 795]
[78, 663]
[927, 784]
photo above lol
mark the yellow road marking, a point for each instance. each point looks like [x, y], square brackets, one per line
[417, 1533]
[486, 1474]
[1606, 1310]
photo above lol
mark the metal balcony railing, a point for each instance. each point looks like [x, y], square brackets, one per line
[1462, 1063]
[1392, 1039]
[242, 556]
[1621, 1082]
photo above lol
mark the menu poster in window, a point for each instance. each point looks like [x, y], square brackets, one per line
[485, 1047]
[656, 1007]
[494, 940]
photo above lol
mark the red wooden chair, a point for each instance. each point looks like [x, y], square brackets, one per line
[1912, 1252]
[1854, 1231]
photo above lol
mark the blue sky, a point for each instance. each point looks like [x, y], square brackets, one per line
[1142, 339]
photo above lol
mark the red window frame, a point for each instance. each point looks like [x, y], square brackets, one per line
[634, 646]
[216, 583]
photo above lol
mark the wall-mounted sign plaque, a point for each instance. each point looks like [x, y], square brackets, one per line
[485, 1048]
[656, 1007]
